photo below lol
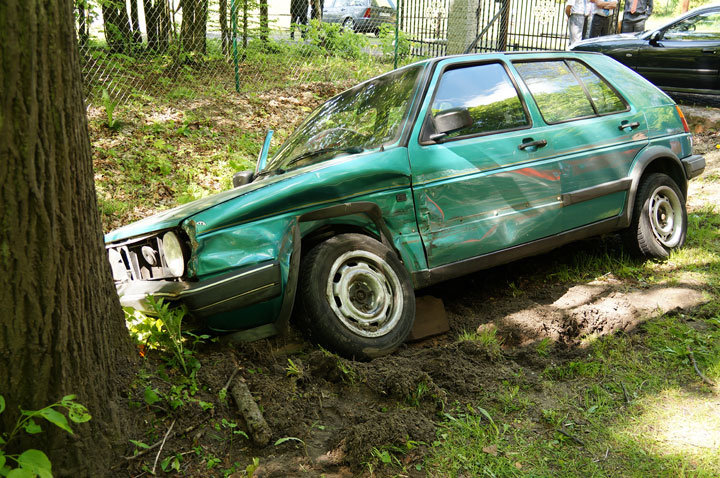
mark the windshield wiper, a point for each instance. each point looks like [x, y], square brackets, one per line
[318, 152]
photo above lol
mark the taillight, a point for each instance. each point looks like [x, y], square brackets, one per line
[682, 118]
[367, 13]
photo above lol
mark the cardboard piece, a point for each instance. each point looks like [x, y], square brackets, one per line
[430, 318]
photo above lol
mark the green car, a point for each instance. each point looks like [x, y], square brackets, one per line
[426, 173]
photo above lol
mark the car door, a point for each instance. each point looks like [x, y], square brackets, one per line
[684, 55]
[594, 132]
[489, 185]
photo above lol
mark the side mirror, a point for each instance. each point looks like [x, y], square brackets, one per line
[242, 177]
[655, 36]
[449, 121]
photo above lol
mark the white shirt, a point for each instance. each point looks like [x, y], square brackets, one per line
[580, 7]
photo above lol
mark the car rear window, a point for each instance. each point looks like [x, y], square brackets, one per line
[566, 89]
[488, 94]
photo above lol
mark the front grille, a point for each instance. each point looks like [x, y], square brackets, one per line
[141, 259]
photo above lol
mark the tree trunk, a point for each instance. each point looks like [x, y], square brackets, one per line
[194, 25]
[116, 25]
[61, 326]
[83, 33]
[264, 21]
[224, 31]
[135, 22]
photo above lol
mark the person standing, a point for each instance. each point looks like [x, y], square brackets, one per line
[602, 17]
[578, 13]
[298, 16]
[635, 14]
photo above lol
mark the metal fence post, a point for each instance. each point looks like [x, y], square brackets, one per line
[233, 23]
[397, 32]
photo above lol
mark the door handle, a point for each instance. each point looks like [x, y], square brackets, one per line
[539, 143]
[708, 50]
[625, 124]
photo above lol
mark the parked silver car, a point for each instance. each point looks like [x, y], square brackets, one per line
[362, 16]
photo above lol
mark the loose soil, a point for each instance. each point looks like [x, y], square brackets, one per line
[336, 412]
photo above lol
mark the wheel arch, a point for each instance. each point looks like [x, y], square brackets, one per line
[655, 159]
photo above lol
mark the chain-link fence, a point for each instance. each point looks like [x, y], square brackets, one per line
[131, 48]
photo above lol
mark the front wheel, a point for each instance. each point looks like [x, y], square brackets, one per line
[355, 297]
[659, 222]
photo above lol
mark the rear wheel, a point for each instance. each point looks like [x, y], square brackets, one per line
[349, 24]
[355, 297]
[659, 221]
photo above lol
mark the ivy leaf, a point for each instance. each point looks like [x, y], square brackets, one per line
[31, 427]
[20, 473]
[78, 413]
[56, 418]
[2, 403]
[36, 462]
[2, 459]
[285, 439]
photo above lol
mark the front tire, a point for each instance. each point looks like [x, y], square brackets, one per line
[355, 297]
[659, 222]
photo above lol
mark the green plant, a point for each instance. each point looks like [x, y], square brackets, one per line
[109, 106]
[32, 462]
[387, 43]
[332, 39]
[293, 370]
[164, 332]
[544, 347]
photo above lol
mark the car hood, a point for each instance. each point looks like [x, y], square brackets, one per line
[173, 217]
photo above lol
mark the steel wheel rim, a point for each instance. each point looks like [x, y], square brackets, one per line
[365, 293]
[666, 217]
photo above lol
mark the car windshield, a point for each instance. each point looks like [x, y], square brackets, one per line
[359, 119]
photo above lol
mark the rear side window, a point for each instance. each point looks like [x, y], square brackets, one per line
[566, 89]
[488, 94]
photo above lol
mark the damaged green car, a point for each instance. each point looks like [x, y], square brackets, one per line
[426, 173]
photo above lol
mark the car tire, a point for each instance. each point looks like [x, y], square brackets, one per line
[659, 222]
[349, 24]
[355, 297]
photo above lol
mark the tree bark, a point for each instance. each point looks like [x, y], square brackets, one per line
[224, 31]
[264, 21]
[83, 33]
[194, 25]
[61, 326]
[116, 25]
[135, 22]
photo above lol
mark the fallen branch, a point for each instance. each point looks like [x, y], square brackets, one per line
[157, 457]
[571, 436]
[697, 370]
[257, 426]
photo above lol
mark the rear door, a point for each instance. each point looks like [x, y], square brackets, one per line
[686, 54]
[592, 130]
[490, 185]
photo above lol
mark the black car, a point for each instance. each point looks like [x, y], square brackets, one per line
[683, 55]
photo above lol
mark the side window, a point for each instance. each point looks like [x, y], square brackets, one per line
[705, 26]
[567, 90]
[602, 96]
[487, 93]
[556, 90]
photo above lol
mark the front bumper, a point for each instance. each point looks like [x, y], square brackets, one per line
[234, 290]
[694, 165]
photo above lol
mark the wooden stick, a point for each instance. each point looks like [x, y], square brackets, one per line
[697, 370]
[157, 457]
[152, 447]
[232, 376]
[570, 436]
[257, 426]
